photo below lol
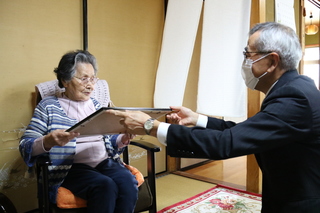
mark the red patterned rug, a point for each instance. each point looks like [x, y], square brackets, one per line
[220, 199]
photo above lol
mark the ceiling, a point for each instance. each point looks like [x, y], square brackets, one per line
[309, 7]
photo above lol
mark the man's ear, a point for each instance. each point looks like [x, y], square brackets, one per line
[275, 59]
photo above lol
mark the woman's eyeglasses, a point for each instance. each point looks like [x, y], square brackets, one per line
[86, 80]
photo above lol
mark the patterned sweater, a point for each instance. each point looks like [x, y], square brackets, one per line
[49, 116]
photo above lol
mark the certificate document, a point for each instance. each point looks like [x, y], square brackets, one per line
[101, 122]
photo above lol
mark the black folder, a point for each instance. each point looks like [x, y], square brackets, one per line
[100, 122]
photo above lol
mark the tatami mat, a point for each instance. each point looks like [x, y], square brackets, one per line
[174, 188]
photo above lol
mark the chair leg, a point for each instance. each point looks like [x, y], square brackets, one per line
[42, 168]
[152, 180]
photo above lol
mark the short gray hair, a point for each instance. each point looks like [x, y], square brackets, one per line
[275, 37]
[68, 64]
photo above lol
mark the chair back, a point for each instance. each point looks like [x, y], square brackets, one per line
[50, 88]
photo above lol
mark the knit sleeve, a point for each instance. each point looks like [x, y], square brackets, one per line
[36, 129]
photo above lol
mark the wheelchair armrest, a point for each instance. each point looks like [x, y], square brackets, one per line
[149, 147]
[145, 145]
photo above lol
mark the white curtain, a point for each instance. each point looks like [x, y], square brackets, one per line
[221, 90]
[181, 25]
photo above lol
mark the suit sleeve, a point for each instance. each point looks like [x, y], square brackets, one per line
[284, 118]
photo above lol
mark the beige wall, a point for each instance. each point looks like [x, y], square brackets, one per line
[313, 40]
[124, 35]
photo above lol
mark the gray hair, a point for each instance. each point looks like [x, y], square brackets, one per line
[281, 39]
[68, 64]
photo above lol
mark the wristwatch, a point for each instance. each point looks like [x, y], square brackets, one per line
[148, 125]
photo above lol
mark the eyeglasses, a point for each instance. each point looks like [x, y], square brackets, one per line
[246, 52]
[86, 80]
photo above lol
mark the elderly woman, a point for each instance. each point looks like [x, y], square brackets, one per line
[90, 167]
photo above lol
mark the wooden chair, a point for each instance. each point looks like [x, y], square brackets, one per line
[69, 203]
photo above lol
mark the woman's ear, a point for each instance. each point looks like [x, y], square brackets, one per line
[64, 83]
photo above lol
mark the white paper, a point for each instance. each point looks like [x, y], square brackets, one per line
[285, 13]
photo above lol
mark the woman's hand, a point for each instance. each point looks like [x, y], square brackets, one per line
[125, 139]
[58, 137]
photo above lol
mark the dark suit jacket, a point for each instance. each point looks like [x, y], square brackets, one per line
[284, 136]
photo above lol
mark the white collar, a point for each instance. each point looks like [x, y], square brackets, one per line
[271, 87]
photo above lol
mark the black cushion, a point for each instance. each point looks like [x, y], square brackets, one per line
[144, 198]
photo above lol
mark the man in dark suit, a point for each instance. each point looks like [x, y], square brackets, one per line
[284, 135]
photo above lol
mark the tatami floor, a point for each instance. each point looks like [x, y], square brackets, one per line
[231, 172]
[172, 189]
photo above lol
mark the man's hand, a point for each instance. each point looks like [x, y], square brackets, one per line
[182, 116]
[133, 121]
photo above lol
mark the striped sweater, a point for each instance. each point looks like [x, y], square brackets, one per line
[49, 116]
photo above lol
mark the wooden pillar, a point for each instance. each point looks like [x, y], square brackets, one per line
[255, 98]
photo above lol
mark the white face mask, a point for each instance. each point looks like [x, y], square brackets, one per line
[247, 75]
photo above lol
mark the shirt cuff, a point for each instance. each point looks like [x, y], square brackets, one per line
[202, 121]
[119, 141]
[37, 147]
[162, 133]
[163, 128]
